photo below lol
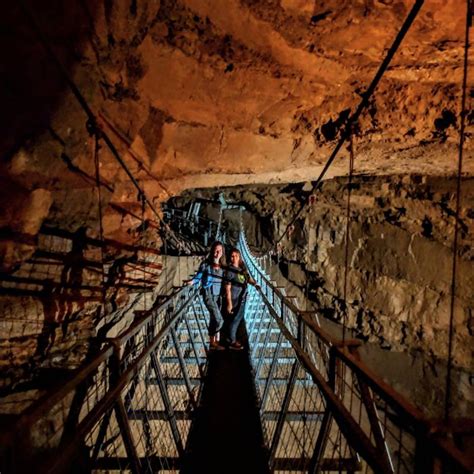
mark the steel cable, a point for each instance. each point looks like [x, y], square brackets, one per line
[316, 185]
[96, 147]
[447, 401]
[346, 243]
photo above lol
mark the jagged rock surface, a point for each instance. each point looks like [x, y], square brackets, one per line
[198, 93]
[399, 256]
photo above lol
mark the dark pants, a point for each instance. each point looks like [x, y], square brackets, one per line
[215, 316]
[237, 317]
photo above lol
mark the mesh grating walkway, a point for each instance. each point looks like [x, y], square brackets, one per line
[298, 401]
[226, 435]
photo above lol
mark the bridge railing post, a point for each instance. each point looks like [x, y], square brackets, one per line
[324, 432]
[375, 422]
[167, 404]
[121, 412]
[301, 332]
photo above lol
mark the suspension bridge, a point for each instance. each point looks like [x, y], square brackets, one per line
[153, 399]
[297, 400]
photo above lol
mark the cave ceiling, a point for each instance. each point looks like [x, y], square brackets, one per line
[205, 93]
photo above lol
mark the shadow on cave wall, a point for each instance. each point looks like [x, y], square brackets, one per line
[51, 305]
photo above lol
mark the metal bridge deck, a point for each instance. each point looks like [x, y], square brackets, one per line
[226, 434]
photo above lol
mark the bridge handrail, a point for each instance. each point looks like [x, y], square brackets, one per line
[424, 429]
[52, 397]
[376, 383]
[114, 392]
[159, 306]
[346, 423]
[16, 438]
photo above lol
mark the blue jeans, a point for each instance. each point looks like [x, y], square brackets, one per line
[237, 317]
[215, 316]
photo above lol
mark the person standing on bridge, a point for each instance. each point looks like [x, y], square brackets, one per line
[210, 274]
[236, 280]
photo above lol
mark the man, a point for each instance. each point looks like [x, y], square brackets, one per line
[236, 280]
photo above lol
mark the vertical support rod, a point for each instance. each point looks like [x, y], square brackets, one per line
[323, 436]
[167, 404]
[121, 415]
[104, 424]
[126, 432]
[257, 331]
[301, 332]
[374, 421]
[201, 335]
[114, 373]
[371, 409]
[321, 442]
[265, 342]
[133, 386]
[271, 372]
[182, 364]
[193, 345]
[284, 410]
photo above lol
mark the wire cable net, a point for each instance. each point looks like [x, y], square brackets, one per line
[292, 407]
[321, 408]
[130, 408]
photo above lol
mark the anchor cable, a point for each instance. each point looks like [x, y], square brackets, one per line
[447, 400]
[346, 243]
[362, 105]
[95, 152]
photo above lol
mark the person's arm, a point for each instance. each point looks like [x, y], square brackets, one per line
[250, 280]
[228, 297]
[198, 277]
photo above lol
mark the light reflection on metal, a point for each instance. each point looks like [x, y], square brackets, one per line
[366, 424]
[321, 407]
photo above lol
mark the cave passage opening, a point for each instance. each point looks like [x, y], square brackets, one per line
[397, 298]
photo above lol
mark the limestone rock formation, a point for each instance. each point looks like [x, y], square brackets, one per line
[201, 93]
[399, 263]
[198, 93]
[399, 270]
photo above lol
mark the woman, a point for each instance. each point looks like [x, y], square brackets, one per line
[210, 273]
[236, 279]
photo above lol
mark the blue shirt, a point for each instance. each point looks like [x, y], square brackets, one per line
[210, 276]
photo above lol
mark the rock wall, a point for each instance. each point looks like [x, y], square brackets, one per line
[54, 315]
[399, 257]
[197, 93]
[60, 304]
[418, 376]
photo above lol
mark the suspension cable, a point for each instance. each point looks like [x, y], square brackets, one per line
[164, 267]
[362, 105]
[92, 122]
[345, 313]
[346, 243]
[447, 400]
[142, 199]
[95, 152]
